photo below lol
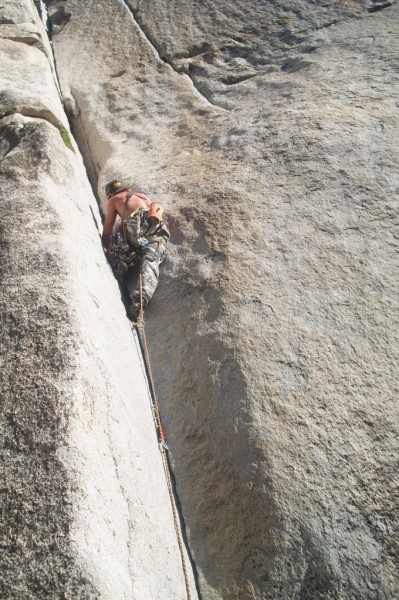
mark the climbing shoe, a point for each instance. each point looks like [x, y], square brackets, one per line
[135, 310]
[136, 306]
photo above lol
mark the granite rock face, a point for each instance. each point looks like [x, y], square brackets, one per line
[270, 132]
[84, 503]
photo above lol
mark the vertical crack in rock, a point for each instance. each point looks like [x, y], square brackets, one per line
[46, 565]
[183, 527]
[82, 139]
[182, 521]
[153, 45]
[77, 124]
[42, 11]
[70, 104]
[278, 494]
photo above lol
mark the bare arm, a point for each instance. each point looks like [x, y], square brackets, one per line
[109, 223]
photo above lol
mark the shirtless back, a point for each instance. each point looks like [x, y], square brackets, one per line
[117, 205]
[123, 208]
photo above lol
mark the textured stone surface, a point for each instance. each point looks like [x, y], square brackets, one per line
[270, 130]
[22, 21]
[29, 88]
[84, 506]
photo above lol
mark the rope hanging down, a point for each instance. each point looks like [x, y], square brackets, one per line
[160, 432]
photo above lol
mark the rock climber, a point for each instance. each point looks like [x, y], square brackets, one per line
[140, 232]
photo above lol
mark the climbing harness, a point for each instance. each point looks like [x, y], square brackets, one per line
[139, 325]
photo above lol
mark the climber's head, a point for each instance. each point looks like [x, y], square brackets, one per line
[115, 186]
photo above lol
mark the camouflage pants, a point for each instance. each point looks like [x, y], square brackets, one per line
[151, 257]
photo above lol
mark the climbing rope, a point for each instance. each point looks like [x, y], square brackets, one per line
[140, 325]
